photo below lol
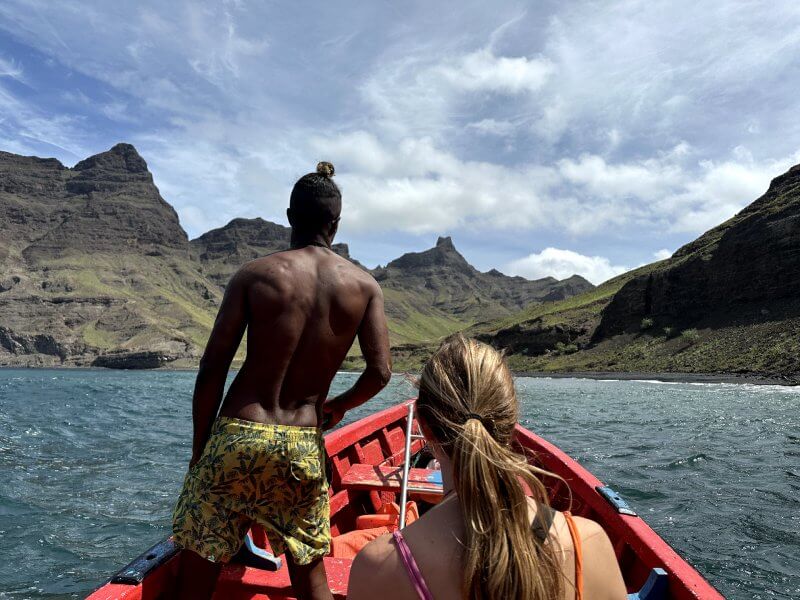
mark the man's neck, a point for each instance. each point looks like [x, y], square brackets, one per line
[313, 240]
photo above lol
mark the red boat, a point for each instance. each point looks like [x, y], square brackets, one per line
[367, 471]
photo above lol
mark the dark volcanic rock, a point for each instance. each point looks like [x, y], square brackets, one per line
[8, 283]
[532, 338]
[442, 256]
[112, 205]
[743, 265]
[32, 199]
[133, 360]
[31, 344]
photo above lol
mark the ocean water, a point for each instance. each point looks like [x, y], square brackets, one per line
[91, 462]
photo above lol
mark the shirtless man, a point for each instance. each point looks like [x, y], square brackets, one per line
[262, 460]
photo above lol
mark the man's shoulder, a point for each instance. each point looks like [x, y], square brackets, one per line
[279, 266]
[357, 272]
[259, 266]
[272, 268]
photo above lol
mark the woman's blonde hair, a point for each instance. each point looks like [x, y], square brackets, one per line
[468, 401]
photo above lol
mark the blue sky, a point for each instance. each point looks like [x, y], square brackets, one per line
[546, 138]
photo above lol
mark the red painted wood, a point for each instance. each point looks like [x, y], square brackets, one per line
[375, 477]
[638, 547]
[239, 582]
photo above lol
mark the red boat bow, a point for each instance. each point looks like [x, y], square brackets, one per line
[359, 488]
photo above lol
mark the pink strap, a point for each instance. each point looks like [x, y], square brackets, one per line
[414, 574]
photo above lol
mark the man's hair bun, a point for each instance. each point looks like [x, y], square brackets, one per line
[325, 168]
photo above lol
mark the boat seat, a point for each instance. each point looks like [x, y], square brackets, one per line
[655, 588]
[383, 478]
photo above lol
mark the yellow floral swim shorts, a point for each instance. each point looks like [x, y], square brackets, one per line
[272, 475]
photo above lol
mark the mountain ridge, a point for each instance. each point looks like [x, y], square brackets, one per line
[95, 269]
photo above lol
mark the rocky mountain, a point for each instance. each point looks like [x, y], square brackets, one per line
[95, 269]
[727, 302]
[729, 273]
[436, 292]
[428, 294]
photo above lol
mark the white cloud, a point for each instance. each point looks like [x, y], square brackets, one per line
[662, 254]
[673, 191]
[222, 58]
[10, 68]
[493, 127]
[416, 186]
[640, 179]
[623, 68]
[482, 70]
[26, 130]
[418, 93]
[561, 264]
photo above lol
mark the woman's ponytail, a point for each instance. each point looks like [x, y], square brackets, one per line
[467, 399]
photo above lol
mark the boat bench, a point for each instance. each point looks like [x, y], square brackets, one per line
[383, 478]
[655, 588]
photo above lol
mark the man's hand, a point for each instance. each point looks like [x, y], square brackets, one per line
[331, 415]
[195, 458]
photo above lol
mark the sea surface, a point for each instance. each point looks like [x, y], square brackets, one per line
[91, 462]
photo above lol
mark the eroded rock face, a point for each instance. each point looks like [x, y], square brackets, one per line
[736, 269]
[111, 204]
[442, 277]
[79, 244]
[134, 360]
[32, 199]
[32, 344]
[533, 338]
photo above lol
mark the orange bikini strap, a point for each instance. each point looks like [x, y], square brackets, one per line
[576, 543]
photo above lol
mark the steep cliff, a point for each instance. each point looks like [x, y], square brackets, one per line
[727, 302]
[95, 262]
[732, 272]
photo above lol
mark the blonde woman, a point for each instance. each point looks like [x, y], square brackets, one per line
[486, 539]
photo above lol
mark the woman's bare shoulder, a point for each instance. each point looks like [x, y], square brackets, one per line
[375, 565]
[378, 550]
[588, 529]
[601, 572]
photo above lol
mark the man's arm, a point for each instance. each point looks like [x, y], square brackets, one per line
[221, 348]
[373, 337]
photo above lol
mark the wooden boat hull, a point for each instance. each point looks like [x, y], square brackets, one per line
[378, 440]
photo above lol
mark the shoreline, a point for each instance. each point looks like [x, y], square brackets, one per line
[666, 377]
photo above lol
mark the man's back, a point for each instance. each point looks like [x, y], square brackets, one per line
[262, 460]
[303, 309]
